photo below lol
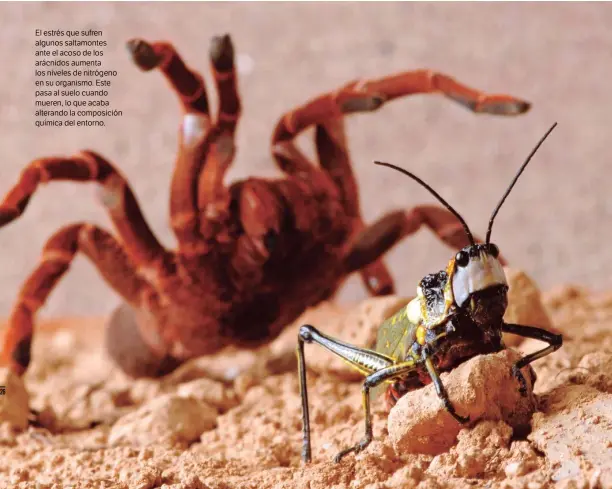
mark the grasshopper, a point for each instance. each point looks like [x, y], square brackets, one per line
[456, 315]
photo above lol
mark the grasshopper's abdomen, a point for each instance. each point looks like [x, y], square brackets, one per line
[397, 334]
[400, 387]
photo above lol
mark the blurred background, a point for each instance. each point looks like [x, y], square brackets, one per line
[556, 55]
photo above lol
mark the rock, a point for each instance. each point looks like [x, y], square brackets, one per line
[477, 452]
[595, 370]
[525, 305]
[516, 469]
[209, 391]
[223, 366]
[14, 400]
[481, 388]
[574, 432]
[357, 326]
[409, 474]
[170, 418]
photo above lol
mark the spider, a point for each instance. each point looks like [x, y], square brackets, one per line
[251, 256]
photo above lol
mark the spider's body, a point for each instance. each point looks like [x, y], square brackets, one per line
[251, 256]
[244, 290]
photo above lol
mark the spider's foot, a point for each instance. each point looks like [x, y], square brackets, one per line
[143, 54]
[222, 53]
[7, 214]
[506, 107]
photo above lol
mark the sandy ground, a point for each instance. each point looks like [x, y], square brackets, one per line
[554, 55]
[233, 421]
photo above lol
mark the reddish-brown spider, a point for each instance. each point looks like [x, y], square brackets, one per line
[252, 256]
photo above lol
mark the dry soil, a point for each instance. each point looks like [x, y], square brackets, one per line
[234, 420]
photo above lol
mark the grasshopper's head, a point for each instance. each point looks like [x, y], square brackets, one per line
[479, 283]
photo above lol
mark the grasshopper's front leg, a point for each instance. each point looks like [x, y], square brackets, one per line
[368, 362]
[555, 341]
[440, 390]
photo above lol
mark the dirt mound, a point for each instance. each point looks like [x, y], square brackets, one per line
[233, 420]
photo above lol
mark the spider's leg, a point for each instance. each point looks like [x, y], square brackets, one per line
[334, 157]
[103, 250]
[139, 242]
[369, 95]
[213, 197]
[375, 240]
[188, 85]
[224, 73]
[194, 136]
[326, 113]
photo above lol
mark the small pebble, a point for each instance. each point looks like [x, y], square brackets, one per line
[515, 469]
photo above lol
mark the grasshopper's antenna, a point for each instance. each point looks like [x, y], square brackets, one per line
[501, 202]
[436, 195]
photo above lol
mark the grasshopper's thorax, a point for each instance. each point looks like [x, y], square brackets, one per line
[435, 297]
[432, 306]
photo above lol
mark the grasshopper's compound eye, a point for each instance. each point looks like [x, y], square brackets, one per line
[493, 250]
[462, 259]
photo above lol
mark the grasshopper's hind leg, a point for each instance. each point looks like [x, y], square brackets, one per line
[365, 361]
[377, 368]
